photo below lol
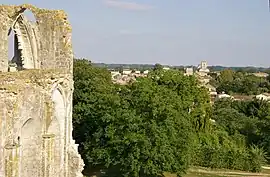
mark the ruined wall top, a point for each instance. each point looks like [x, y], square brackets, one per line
[13, 11]
[44, 44]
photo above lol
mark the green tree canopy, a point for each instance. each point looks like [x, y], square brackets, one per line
[157, 66]
[240, 83]
[142, 129]
[226, 75]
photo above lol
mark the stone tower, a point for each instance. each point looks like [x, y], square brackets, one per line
[203, 65]
[36, 89]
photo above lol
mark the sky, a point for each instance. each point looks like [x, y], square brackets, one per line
[172, 32]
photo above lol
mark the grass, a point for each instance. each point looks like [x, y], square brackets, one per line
[202, 175]
[205, 172]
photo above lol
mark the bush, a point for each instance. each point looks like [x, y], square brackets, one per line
[257, 158]
[227, 154]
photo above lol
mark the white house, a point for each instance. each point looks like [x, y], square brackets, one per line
[166, 68]
[115, 74]
[224, 95]
[212, 90]
[189, 71]
[261, 74]
[146, 72]
[263, 96]
[127, 72]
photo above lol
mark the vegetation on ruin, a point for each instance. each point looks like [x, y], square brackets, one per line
[162, 123]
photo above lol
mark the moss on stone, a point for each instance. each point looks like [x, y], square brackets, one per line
[48, 114]
[12, 160]
[16, 81]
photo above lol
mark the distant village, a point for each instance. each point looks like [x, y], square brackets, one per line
[201, 72]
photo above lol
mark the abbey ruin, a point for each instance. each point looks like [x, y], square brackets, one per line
[36, 88]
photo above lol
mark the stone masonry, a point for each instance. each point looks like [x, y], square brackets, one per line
[36, 89]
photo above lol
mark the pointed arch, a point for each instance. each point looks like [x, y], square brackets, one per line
[28, 14]
[26, 41]
[57, 128]
[29, 141]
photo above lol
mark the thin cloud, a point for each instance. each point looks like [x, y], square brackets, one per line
[127, 5]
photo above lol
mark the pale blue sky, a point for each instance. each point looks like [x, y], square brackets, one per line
[176, 32]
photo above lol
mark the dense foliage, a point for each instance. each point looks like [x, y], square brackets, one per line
[251, 119]
[232, 82]
[160, 123]
[241, 136]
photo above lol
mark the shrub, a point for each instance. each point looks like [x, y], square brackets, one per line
[227, 154]
[257, 158]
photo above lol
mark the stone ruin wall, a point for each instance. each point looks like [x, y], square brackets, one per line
[36, 99]
[50, 37]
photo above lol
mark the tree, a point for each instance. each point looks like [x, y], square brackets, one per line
[157, 123]
[138, 130]
[94, 98]
[240, 83]
[230, 119]
[226, 76]
[157, 67]
[250, 119]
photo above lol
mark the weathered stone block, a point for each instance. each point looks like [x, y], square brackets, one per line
[36, 96]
